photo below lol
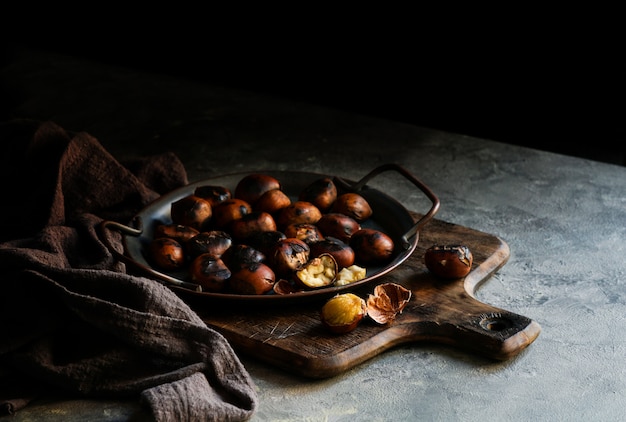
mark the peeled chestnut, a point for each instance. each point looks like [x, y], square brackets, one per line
[255, 279]
[213, 194]
[213, 242]
[177, 232]
[251, 223]
[338, 225]
[322, 193]
[309, 233]
[166, 253]
[341, 251]
[289, 255]
[353, 205]
[272, 201]
[191, 211]
[318, 272]
[372, 246]
[228, 211]
[298, 212]
[251, 187]
[241, 256]
[449, 261]
[209, 272]
[350, 275]
[343, 313]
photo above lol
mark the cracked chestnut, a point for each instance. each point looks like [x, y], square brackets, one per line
[449, 261]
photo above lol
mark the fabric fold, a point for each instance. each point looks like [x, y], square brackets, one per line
[73, 319]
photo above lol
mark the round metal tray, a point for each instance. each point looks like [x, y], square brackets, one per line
[388, 216]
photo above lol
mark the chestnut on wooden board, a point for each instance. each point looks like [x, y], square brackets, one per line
[449, 261]
[343, 312]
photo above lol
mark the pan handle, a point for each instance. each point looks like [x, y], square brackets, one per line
[413, 231]
[132, 231]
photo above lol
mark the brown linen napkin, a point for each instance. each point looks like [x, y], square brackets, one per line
[73, 321]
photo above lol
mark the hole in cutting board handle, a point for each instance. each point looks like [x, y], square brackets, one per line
[495, 322]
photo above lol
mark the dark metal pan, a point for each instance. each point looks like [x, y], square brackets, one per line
[389, 215]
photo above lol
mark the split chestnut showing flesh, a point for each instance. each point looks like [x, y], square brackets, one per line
[449, 261]
[251, 187]
[343, 313]
[209, 272]
[372, 246]
[322, 193]
[256, 279]
[341, 251]
[318, 272]
[166, 253]
[191, 211]
[353, 205]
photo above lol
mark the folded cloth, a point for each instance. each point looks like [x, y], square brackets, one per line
[73, 320]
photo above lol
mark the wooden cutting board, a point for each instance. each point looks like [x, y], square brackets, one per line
[293, 338]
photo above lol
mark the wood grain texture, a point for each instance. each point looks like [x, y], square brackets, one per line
[293, 338]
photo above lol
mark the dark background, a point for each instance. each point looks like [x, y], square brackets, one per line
[561, 93]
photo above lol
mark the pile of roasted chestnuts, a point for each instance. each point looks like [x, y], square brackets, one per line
[257, 240]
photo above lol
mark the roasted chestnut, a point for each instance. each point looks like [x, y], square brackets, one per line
[353, 205]
[372, 246]
[265, 241]
[318, 272]
[213, 194]
[228, 211]
[298, 212]
[272, 201]
[209, 272]
[338, 225]
[252, 223]
[177, 232]
[166, 253]
[341, 251]
[449, 261]
[191, 211]
[309, 233]
[322, 193]
[251, 187]
[288, 255]
[343, 312]
[241, 256]
[255, 279]
[213, 242]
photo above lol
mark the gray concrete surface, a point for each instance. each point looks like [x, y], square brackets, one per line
[564, 219]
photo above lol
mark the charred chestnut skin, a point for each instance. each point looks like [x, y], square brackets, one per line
[177, 232]
[353, 205]
[372, 246]
[214, 194]
[289, 255]
[213, 242]
[338, 225]
[252, 223]
[256, 279]
[209, 272]
[297, 213]
[166, 253]
[272, 201]
[265, 241]
[449, 261]
[306, 232]
[322, 193]
[241, 256]
[228, 211]
[191, 211]
[341, 251]
[251, 187]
